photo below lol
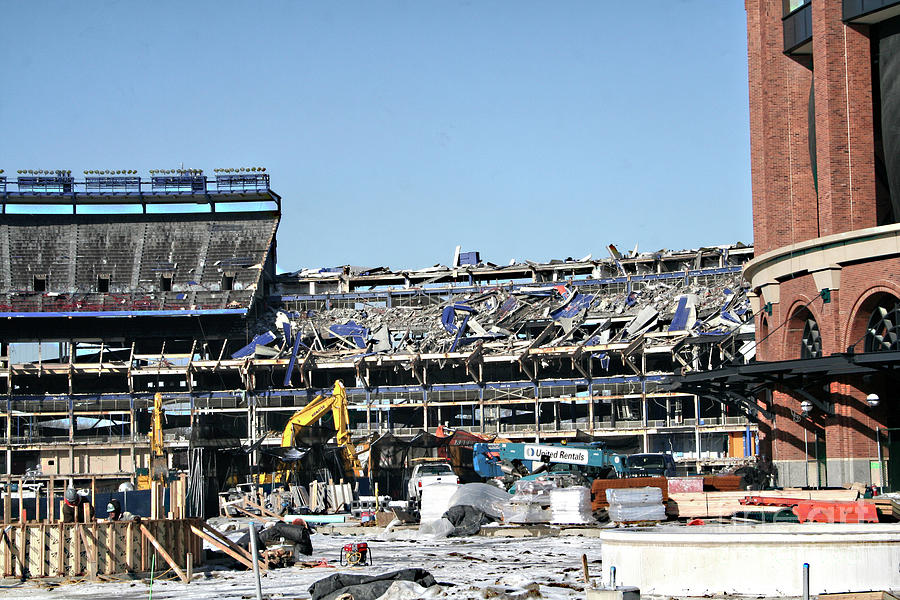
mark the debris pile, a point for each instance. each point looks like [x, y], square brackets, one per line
[510, 319]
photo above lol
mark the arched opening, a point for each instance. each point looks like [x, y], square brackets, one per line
[761, 334]
[811, 340]
[883, 328]
[803, 338]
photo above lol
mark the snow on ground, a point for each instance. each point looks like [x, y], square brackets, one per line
[475, 567]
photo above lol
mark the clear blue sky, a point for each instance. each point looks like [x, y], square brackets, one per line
[396, 130]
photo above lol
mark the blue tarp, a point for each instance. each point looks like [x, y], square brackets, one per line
[352, 331]
[260, 340]
[573, 307]
[448, 316]
[631, 300]
[507, 307]
[679, 320]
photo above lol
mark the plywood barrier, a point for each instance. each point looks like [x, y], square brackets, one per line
[32, 550]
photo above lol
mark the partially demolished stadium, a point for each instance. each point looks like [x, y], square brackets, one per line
[102, 311]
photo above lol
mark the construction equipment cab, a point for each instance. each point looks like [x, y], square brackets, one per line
[321, 405]
[650, 465]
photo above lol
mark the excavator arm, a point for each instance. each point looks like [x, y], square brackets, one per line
[315, 410]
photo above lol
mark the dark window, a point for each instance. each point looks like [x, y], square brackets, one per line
[652, 461]
[811, 343]
[165, 283]
[103, 284]
[40, 283]
[228, 282]
[883, 333]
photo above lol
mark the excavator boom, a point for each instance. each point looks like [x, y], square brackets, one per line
[315, 410]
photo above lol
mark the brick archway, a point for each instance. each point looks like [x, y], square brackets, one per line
[855, 329]
[792, 341]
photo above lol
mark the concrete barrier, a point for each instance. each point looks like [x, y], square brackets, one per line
[762, 560]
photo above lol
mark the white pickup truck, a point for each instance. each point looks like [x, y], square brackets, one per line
[425, 474]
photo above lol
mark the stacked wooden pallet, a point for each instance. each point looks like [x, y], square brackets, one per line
[722, 483]
[725, 504]
[599, 487]
[888, 509]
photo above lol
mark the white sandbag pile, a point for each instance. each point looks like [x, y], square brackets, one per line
[571, 505]
[635, 504]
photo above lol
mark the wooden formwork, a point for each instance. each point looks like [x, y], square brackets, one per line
[29, 550]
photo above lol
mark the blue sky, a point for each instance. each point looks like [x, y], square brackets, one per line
[396, 130]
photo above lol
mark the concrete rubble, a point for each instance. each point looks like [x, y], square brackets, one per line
[507, 319]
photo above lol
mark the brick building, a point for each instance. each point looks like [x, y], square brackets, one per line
[825, 152]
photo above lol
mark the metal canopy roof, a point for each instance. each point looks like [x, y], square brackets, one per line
[740, 384]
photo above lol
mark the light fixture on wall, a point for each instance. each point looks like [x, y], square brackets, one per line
[872, 400]
[806, 407]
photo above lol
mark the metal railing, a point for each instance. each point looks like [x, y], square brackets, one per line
[134, 184]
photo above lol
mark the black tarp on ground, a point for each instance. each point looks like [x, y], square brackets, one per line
[298, 534]
[466, 520]
[366, 587]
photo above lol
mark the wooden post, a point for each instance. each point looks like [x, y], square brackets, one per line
[145, 562]
[94, 491]
[23, 542]
[22, 517]
[51, 514]
[163, 552]
[111, 548]
[95, 552]
[90, 552]
[129, 547]
[182, 496]
[61, 564]
[7, 553]
[7, 500]
[42, 551]
[76, 552]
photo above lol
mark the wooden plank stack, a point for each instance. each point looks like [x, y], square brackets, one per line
[722, 483]
[725, 504]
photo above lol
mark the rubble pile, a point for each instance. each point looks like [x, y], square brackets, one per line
[508, 319]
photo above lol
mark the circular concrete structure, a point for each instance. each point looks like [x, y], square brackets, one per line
[760, 560]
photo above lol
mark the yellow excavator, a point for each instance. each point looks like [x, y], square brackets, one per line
[311, 413]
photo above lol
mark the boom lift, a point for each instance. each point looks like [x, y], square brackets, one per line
[592, 460]
[315, 410]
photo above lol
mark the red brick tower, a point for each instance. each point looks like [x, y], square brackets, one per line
[826, 278]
